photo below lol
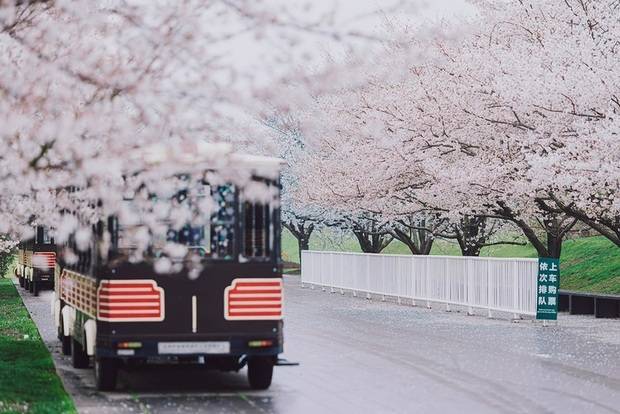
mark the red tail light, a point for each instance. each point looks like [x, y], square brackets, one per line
[136, 300]
[44, 260]
[253, 299]
[260, 343]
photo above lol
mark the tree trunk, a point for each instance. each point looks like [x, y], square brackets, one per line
[554, 245]
[303, 243]
[555, 226]
[419, 241]
[607, 227]
[372, 242]
[472, 250]
[302, 233]
[470, 234]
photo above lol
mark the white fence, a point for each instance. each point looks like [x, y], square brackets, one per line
[494, 284]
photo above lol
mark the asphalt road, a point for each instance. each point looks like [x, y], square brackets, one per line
[360, 356]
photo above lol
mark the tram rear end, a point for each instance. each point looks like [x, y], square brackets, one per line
[36, 261]
[220, 306]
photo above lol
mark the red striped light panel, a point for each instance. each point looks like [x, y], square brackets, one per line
[253, 299]
[135, 300]
[44, 260]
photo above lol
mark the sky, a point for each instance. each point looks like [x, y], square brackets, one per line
[351, 10]
[266, 63]
[368, 17]
[373, 17]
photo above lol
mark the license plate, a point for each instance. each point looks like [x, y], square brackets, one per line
[180, 348]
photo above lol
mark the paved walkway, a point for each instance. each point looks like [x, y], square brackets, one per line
[360, 356]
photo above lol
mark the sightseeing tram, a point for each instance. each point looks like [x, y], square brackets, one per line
[119, 313]
[36, 261]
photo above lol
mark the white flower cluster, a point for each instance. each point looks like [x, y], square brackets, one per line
[516, 119]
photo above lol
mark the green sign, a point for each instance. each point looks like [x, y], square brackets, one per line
[547, 288]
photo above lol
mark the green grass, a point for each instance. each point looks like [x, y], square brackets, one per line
[290, 252]
[589, 264]
[28, 380]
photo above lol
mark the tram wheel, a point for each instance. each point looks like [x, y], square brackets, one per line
[106, 370]
[79, 357]
[260, 372]
[65, 340]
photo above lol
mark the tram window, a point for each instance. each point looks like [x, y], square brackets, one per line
[43, 236]
[124, 241]
[223, 222]
[197, 237]
[256, 230]
[193, 237]
[216, 238]
[113, 229]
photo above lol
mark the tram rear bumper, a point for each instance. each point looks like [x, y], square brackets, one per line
[183, 348]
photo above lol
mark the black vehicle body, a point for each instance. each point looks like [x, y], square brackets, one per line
[211, 324]
[226, 315]
[36, 262]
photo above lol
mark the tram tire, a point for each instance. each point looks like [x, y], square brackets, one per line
[79, 357]
[260, 372]
[106, 371]
[65, 342]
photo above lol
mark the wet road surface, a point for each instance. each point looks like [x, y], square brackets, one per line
[360, 356]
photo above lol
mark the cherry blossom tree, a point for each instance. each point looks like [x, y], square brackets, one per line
[418, 232]
[289, 143]
[87, 85]
[555, 89]
[499, 123]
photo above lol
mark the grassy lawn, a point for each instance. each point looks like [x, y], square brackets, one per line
[589, 264]
[290, 251]
[28, 380]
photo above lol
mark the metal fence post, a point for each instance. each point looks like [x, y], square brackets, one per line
[301, 268]
[447, 290]
[383, 277]
[398, 277]
[412, 274]
[357, 275]
[314, 269]
[470, 309]
[368, 277]
[489, 289]
[515, 288]
[427, 281]
[333, 275]
[342, 274]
